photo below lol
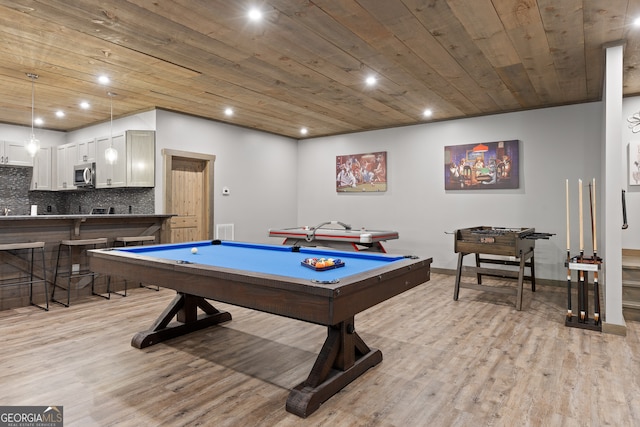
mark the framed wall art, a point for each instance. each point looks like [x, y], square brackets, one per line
[361, 172]
[634, 163]
[487, 165]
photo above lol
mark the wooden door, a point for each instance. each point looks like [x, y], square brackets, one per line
[188, 180]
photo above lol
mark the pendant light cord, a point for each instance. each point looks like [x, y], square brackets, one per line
[33, 102]
[33, 78]
[111, 153]
[111, 130]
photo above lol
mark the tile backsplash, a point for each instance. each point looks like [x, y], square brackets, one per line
[13, 192]
[15, 195]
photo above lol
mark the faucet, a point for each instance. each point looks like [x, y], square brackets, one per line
[6, 211]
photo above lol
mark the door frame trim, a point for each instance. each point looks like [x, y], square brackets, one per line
[209, 159]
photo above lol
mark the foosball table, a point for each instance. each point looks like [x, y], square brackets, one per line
[518, 243]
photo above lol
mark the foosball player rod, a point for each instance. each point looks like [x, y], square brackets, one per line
[596, 290]
[569, 312]
[581, 293]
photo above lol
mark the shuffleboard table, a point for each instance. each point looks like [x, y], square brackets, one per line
[273, 279]
[344, 238]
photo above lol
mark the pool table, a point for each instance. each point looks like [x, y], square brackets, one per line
[271, 278]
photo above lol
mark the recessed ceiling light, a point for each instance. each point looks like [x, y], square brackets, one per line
[304, 131]
[84, 105]
[427, 112]
[371, 80]
[104, 80]
[228, 112]
[255, 14]
[60, 113]
[38, 121]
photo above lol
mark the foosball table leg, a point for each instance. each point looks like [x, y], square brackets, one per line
[523, 263]
[478, 275]
[456, 290]
[532, 268]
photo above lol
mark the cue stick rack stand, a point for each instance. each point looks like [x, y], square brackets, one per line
[583, 265]
[583, 319]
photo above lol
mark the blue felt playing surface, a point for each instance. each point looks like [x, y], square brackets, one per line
[269, 259]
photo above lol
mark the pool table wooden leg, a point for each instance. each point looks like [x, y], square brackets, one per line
[184, 308]
[343, 358]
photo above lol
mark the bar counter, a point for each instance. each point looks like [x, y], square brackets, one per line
[51, 229]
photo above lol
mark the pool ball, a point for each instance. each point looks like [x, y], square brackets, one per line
[194, 250]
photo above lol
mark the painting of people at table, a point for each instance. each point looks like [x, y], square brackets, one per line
[362, 172]
[487, 165]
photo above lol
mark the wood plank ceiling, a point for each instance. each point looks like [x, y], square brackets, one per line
[305, 63]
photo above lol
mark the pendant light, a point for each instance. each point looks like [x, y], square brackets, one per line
[33, 145]
[111, 154]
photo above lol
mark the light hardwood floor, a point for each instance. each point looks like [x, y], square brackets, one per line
[473, 362]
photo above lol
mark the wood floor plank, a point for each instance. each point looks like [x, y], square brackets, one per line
[475, 361]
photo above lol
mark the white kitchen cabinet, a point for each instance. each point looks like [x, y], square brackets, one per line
[87, 151]
[135, 166]
[141, 158]
[43, 170]
[110, 175]
[14, 154]
[66, 158]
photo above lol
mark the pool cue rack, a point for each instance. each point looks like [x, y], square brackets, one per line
[583, 318]
[583, 265]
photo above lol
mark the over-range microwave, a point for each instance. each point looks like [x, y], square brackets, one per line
[84, 175]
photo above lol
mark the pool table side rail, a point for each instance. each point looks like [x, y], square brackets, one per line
[326, 304]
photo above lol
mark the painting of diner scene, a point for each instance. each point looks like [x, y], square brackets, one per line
[487, 165]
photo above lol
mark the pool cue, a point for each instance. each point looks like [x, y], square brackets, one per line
[596, 289]
[624, 211]
[581, 296]
[569, 312]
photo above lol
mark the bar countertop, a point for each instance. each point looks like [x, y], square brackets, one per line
[81, 216]
[53, 228]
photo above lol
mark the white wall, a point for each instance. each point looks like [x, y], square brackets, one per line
[556, 144]
[48, 138]
[140, 121]
[260, 170]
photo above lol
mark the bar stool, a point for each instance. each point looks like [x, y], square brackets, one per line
[30, 247]
[133, 241]
[82, 246]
